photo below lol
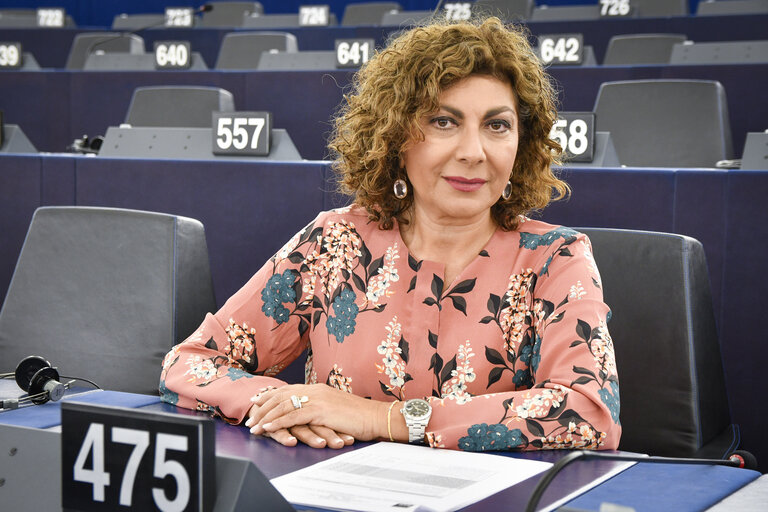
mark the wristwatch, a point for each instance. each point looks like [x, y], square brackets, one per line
[416, 412]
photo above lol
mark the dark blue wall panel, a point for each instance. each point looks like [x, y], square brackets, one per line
[249, 209]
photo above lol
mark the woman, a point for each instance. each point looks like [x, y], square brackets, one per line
[432, 309]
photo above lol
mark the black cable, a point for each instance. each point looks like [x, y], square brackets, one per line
[82, 379]
[542, 485]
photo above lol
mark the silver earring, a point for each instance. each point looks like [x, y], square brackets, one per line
[400, 189]
[507, 192]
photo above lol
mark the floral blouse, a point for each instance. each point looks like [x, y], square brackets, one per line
[514, 354]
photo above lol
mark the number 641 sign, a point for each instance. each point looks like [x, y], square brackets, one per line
[114, 458]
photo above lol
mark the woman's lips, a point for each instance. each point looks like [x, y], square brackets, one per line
[464, 184]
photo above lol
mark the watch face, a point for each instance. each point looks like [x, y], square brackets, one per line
[417, 407]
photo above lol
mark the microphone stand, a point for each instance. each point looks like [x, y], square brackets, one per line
[203, 8]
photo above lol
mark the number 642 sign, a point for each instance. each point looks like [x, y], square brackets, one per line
[114, 458]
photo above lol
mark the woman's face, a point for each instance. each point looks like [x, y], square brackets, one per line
[464, 162]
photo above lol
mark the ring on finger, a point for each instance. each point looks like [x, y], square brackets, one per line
[298, 400]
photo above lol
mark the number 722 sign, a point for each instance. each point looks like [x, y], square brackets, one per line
[114, 458]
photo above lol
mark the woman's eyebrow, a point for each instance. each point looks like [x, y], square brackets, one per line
[499, 110]
[492, 112]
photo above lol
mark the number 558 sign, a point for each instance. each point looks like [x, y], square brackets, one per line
[115, 458]
[575, 132]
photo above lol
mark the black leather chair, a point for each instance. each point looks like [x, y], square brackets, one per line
[85, 43]
[104, 293]
[507, 10]
[367, 13]
[672, 386]
[665, 123]
[179, 106]
[633, 49]
[229, 14]
[243, 50]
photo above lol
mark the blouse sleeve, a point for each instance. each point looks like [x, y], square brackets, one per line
[237, 351]
[572, 400]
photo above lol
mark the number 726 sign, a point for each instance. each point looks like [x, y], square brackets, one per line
[114, 458]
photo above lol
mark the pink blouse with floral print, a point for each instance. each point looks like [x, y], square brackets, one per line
[514, 354]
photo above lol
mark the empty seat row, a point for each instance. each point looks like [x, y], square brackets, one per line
[230, 14]
[641, 123]
[264, 50]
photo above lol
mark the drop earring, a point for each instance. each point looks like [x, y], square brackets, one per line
[400, 189]
[507, 192]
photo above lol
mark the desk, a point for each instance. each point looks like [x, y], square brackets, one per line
[675, 487]
[250, 209]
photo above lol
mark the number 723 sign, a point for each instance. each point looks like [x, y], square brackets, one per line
[114, 458]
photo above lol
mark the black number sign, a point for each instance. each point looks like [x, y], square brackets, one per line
[172, 55]
[314, 15]
[242, 133]
[353, 53]
[10, 55]
[575, 132]
[561, 49]
[114, 458]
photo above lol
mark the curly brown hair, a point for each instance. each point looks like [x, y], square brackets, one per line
[403, 82]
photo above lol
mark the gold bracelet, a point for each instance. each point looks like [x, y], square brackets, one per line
[389, 420]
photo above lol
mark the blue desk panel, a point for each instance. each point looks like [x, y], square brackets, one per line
[249, 209]
[20, 196]
[642, 486]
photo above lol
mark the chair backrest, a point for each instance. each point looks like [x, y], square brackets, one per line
[665, 123]
[299, 61]
[732, 7]
[367, 13]
[177, 106]
[660, 8]
[565, 13]
[104, 293]
[243, 50]
[722, 52]
[404, 18]
[87, 42]
[755, 156]
[228, 14]
[508, 10]
[137, 21]
[672, 387]
[631, 49]
[26, 18]
[280, 20]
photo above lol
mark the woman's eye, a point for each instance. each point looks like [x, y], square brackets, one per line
[442, 122]
[499, 125]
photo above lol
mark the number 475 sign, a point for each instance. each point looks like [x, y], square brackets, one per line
[115, 458]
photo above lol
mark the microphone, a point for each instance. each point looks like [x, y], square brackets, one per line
[203, 8]
[437, 9]
[738, 459]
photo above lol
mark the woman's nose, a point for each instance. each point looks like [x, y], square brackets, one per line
[470, 149]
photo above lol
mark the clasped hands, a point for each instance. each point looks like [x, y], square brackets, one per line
[325, 416]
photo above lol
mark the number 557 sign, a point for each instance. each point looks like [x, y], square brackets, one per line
[113, 458]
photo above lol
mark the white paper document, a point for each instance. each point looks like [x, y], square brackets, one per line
[399, 477]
